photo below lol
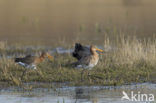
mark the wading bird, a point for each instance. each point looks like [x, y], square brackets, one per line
[89, 60]
[31, 61]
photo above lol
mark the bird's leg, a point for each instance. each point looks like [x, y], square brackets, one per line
[87, 73]
[81, 75]
[82, 72]
[89, 76]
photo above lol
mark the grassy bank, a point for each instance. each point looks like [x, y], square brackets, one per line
[129, 61]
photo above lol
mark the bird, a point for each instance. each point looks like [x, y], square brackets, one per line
[88, 61]
[30, 61]
[80, 51]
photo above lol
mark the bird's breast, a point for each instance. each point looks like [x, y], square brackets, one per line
[94, 60]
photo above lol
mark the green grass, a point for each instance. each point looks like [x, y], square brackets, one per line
[133, 61]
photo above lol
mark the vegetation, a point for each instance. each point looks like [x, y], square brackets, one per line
[126, 60]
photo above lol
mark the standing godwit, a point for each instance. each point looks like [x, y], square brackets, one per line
[31, 61]
[90, 60]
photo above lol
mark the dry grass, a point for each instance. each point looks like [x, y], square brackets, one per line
[130, 50]
[129, 61]
[3, 44]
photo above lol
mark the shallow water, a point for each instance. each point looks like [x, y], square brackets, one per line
[83, 94]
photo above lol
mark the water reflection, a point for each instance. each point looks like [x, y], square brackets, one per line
[84, 94]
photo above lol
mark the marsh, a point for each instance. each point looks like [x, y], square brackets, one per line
[124, 29]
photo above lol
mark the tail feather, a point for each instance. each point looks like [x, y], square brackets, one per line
[17, 59]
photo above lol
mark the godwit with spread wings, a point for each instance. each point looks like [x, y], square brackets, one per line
[89, 60]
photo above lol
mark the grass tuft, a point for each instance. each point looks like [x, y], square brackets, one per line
[127, 60]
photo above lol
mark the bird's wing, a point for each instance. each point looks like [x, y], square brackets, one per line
[81, 51]
[84, 60]
[29, 59]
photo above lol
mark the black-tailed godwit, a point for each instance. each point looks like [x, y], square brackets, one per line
[31, 61]
[88, 61]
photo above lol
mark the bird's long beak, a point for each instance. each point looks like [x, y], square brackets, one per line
[100, 50]
[50, 57]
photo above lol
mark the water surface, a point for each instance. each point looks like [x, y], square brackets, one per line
[83, 94]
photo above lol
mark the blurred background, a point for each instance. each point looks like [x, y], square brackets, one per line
[49, 21]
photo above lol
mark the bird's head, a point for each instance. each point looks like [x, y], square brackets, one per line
[46, 54]
[94, 49]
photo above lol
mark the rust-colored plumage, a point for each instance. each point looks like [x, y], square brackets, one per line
[31, 61]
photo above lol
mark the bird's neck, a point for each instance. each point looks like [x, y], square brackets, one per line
[41, 58]
[93, 52]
